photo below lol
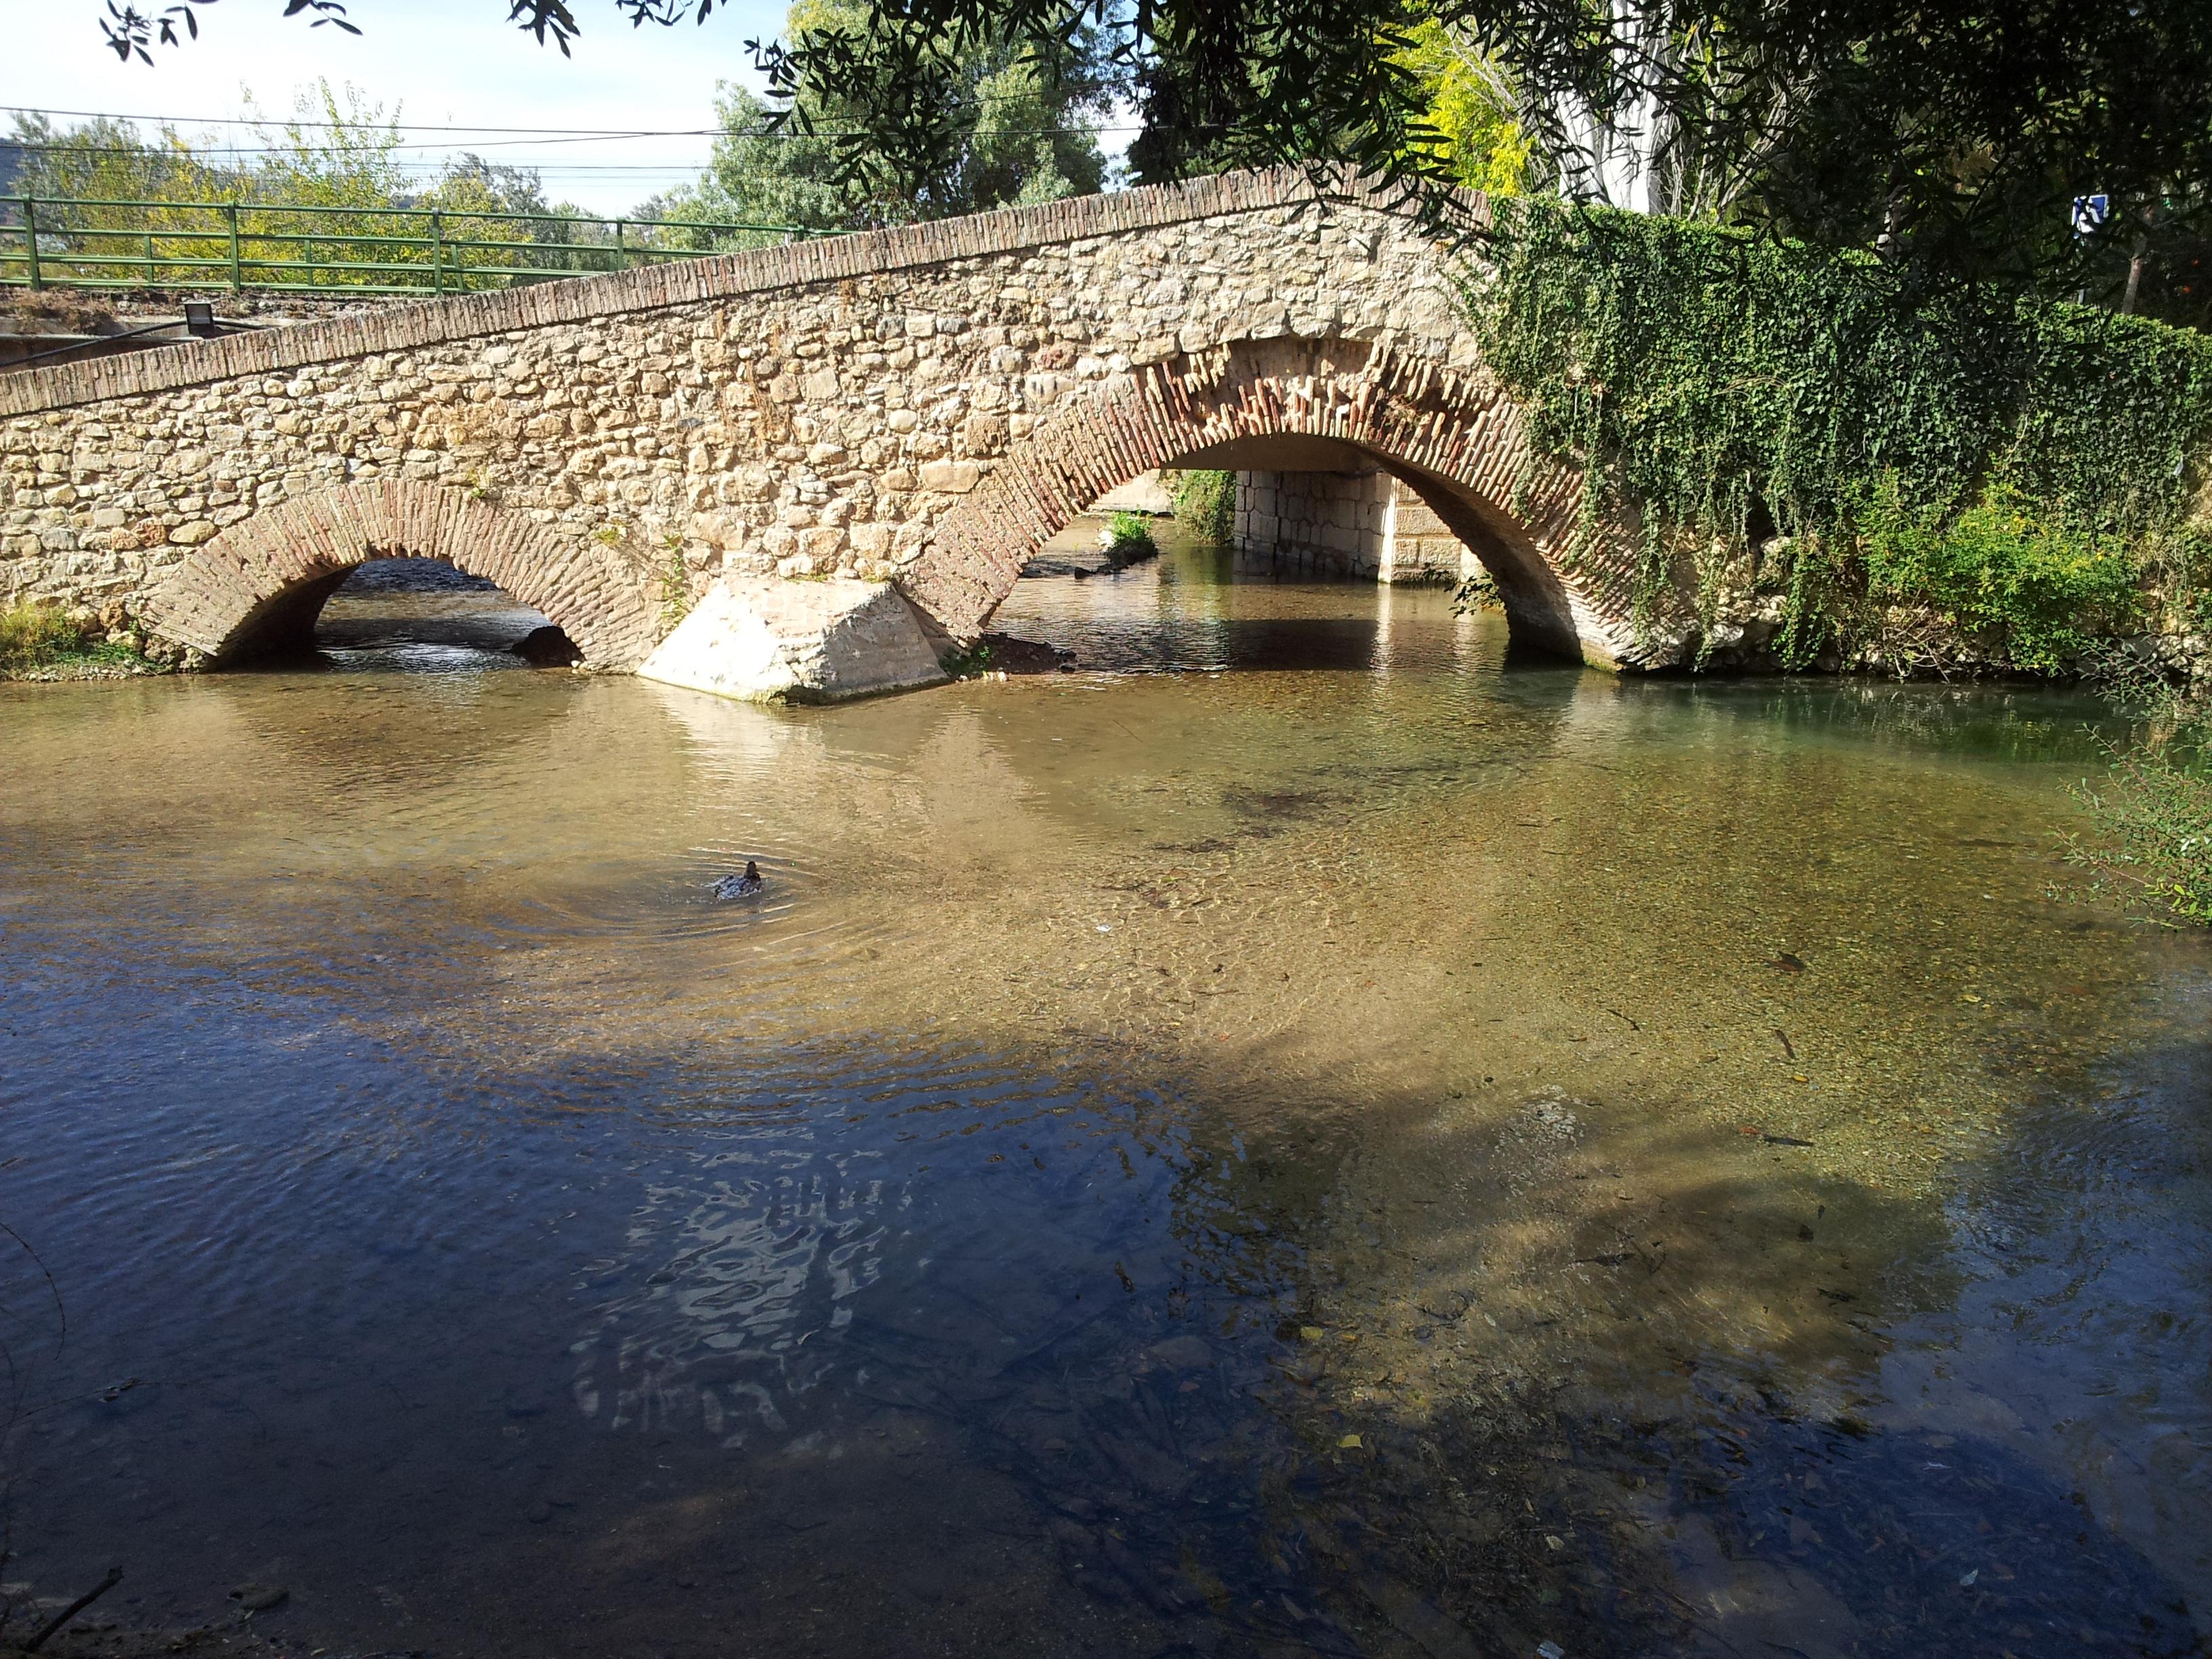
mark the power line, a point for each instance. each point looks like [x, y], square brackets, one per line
[563, 134]
[65, 147]
[265, 122]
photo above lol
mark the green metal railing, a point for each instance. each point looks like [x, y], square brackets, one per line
[49, 242]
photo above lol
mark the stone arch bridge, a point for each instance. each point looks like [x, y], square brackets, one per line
[808, 470]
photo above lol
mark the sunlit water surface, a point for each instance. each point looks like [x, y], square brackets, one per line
[1298, 1136]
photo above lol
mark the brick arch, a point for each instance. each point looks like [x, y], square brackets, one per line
[259, 584]
[1458, 439]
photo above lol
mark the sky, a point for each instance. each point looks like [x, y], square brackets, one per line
[436, 61]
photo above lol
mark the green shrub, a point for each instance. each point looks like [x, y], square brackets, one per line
[674, 581]
[1129, 535]
[2027, 588]
[1206, 503]
[968, 662]
[35, 636]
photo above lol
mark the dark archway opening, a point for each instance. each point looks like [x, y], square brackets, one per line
[408, 612]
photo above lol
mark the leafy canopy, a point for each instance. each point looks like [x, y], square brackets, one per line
[1020, 129]
[1953, 139]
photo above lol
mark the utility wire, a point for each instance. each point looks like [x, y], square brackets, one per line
[66, 148]
[564, 134]
[404, 126]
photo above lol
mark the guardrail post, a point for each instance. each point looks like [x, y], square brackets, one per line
[437, 251]
[237, 272]
[31, 237]
[622, 254]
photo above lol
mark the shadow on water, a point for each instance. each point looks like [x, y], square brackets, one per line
[1024, 1349]
[1718, 1427]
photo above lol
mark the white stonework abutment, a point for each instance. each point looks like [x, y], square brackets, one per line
[764, 639]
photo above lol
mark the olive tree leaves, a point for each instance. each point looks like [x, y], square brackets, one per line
[130, 30]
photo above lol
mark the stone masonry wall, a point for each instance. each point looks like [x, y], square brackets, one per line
[1367, 525]
[811, 409]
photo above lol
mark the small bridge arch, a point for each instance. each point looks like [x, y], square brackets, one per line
[256, 587]
[1288, 403]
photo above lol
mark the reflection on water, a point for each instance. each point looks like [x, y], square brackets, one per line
[1295, 1136]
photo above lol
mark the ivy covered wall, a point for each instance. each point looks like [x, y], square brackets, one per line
[1891, 478]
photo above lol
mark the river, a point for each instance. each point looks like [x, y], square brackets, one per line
[1299, 1135]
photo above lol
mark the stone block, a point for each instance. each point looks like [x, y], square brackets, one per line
[953, 478]
[767, 639]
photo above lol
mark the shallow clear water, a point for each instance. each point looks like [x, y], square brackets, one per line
[1296, 1136]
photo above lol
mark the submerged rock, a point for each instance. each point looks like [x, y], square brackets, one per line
[1008, 655]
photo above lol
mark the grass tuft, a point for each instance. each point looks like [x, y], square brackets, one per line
[34, 635]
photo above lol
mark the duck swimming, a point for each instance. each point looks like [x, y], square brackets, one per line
[744, 886]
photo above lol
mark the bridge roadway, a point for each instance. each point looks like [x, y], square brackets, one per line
[808, 470]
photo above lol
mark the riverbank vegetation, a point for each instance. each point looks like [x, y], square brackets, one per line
[44, 641]
[34, 636]
[1917, 478]
[1128, 537]
[2150, 843]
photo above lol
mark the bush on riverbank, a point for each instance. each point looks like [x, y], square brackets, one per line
[1792, 424]
[1128, 537]
[34, 636]
[2019, 586]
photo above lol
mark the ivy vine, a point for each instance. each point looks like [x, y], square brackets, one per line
[1789, 421]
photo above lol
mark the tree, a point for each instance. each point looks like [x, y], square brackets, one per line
[1952, 140]
[1012, 129]
[1471, 106]
[338, 152]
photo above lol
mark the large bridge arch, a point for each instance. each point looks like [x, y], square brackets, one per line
[1290, 404]
[258, 586]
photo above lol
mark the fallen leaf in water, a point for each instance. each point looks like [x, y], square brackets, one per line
[1349, 1443]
